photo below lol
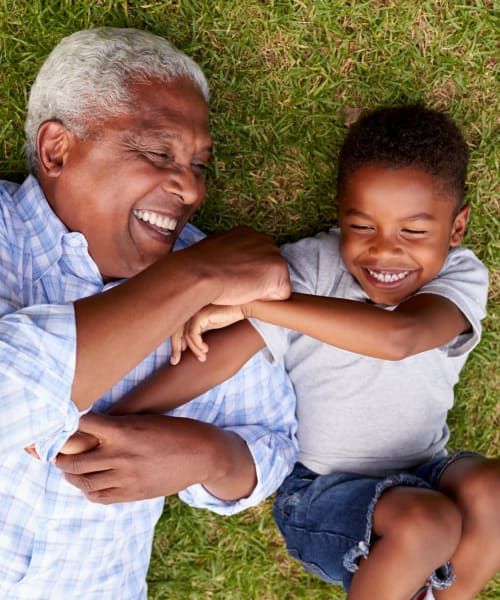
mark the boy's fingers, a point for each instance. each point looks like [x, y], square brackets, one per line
[196, 344]
[200, 354]
[31, 450]
[178, 345]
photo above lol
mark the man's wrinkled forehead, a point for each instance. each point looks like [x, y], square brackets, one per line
[173, 105]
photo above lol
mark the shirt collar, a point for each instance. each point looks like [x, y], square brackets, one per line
[43, 226]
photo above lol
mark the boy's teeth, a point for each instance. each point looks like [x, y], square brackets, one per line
[161, 221]
[387, 277]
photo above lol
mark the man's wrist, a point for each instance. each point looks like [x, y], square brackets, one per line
[197, 275]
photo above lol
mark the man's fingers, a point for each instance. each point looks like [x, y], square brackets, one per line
[90, 482]
[86, 462]
[249, 263]
[99, 487]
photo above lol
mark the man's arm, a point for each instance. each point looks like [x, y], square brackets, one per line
[41, 344]
[117, 329]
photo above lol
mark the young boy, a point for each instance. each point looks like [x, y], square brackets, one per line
[388, 308]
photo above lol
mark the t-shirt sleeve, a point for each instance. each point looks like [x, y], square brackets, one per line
[464, 281]
[303, 263]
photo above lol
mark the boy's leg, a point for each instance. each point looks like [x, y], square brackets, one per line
[473, 483]
[418, 531]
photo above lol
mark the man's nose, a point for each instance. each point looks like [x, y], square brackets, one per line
[182, 182]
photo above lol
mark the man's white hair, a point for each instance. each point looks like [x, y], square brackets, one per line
[86, 78]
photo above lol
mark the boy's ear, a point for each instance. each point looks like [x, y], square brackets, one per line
[459, 226]
[53, 144]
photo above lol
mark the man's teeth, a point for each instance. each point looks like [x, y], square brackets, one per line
[388, 277]
[160, 221]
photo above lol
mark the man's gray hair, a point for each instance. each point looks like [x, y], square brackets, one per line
[86, 77]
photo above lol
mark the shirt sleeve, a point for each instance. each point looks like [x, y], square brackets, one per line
[35, 389]
[258, 404]
[303, 258]
[37, 360]
[464, 281]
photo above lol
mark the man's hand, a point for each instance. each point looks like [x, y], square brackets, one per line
[244, 265]
[228, 268]
[146, 456]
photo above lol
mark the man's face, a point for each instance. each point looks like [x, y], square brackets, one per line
[132, 187]
[396, 230]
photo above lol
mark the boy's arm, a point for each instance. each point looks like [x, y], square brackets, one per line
[421, 323]
[170, 386]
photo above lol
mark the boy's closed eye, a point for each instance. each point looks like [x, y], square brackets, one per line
[361, 227]
[414, 231]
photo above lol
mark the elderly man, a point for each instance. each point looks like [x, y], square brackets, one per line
[117, 141]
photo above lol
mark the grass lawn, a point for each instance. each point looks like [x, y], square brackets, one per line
[286, 77]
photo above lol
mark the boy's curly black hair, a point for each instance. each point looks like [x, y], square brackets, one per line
[407, 136]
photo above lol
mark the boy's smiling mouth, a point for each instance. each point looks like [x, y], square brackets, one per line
[384, 276]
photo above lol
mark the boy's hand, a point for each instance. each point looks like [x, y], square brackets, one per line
[191, 335]
[31, 450]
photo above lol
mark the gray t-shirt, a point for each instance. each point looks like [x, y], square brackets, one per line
[363, 414]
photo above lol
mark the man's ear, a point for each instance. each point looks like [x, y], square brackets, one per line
[53, 144]
[459, 226]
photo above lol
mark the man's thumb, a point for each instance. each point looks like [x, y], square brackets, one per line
[96, 424]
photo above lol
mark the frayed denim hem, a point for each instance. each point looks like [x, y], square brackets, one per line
[441, 579]
[363, 547]
[448, 460]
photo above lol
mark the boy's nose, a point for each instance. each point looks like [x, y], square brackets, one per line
[182, 182]
[385, 244]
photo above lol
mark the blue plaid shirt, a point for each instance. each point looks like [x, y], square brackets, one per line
[54, 544]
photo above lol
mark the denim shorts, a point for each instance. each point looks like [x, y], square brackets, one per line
[326, 520]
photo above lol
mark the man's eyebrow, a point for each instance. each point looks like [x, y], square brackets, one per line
[148, 135]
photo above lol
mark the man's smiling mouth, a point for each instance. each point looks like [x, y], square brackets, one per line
[162, 223]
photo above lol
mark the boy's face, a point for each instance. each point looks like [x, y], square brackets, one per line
[397, 227]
